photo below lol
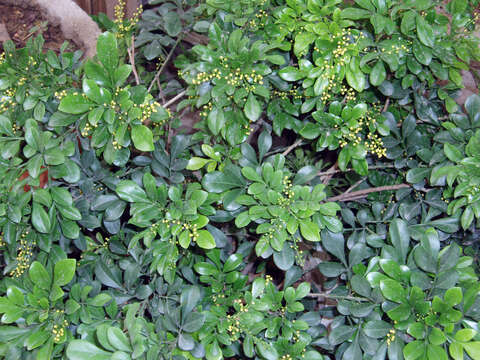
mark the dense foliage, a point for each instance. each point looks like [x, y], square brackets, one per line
[325, 205]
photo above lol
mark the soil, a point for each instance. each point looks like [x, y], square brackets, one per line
[19, 20]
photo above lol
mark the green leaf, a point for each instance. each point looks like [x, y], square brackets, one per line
[40, 219]
[54, 156]
[118, 339]
[216, 121]
[242, 219]
[252, 108]
[142, 138]
[39, 276]
[452, 152]
[36, 339]
[400, 237]
[205, 240]
[213, 351]
[436, 336]
[290, 73]
[355, 78]
[465, 335]
[378, 74]
[453, 296]
[473, 349]
[172, 23]
[232, 262]
[75, 104]
[107, 51]
[414, 350]
[84, 350]
[267, 351]
[310, 230]
[425, 32]
[467, 217]
[416, 175]
[196, 163]
[128, 190]
[377, 328]
[392, 290]
[64, 271]
[436, 352]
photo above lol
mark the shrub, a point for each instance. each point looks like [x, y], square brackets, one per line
[324, 206]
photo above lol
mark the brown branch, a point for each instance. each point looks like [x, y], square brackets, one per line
[355, 185]
[385, 107]
[171, 101]
[291, 147]
[362, 193]
[167, 59]
[338, 297]
[131, 56]
[327, 175]
[323, 173]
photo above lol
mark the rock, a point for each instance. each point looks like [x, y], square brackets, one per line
[3, 33]
[470, 87]
[75, 23]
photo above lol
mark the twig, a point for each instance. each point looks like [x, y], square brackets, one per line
[387, 102]
[171, 101]
[355, 185]
[362, 193]
[339, 297]
[291, 147]
[131, 56]
[323, 173]
[167, 59]
[327, 175]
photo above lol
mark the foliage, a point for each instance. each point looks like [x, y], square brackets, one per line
[325, 205]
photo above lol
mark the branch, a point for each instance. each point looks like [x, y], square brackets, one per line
[362, 193]
[327, 175]
[167, 59]
[291, 147]
[171, 101]
[336, 171]
[339, 297]
[131, 56]
[355, 185]
[385, 107]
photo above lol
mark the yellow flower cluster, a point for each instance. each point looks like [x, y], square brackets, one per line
[86, 130]
[7, 102]
[261, 17]
[192, 229]
[390, 336]
[268, 279]
[25, 252]
[124, 26]
[59, 95]
[373, 142]
[286, 94]
[116, 145]
[147, 109]
[206, 109]
[396, 49]
[234, 77]
[2, 58]
[349, 93]
[58, 332]
[288, 193]
[234, 327]
[2, 243]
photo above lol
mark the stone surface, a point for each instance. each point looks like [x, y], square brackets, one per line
[3, 33]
